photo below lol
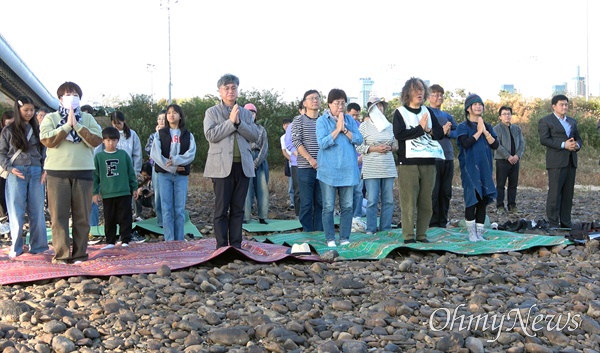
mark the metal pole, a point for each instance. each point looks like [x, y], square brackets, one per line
[169, 20]
[587, 51]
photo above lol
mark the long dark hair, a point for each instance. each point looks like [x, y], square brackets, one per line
[178, 109]
[19, 127]
[117, 116]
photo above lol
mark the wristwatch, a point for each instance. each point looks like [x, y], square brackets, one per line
[345, 131]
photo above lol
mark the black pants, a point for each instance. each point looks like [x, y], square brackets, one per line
[506, 170]
[296, 190]
[477, 211]
[230, 198]
[3, 209]
[561, 186]
[442, 193]
[117, 210]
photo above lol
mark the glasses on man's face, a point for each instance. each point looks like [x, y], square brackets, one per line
[506, 114]
[230, 88]
[312, 98]
[339, 103]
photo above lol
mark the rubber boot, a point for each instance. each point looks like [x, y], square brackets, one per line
[472, 228]
[480, 232]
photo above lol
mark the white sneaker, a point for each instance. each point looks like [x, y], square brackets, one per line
[125, 245]
[109, 246]
[12, 255]
[331, 244]
[345, 242]
[4, 228]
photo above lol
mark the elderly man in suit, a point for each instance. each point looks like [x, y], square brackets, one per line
[558, 132]
[229, 129]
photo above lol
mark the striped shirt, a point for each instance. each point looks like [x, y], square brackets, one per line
[377, 165]
[304, 133]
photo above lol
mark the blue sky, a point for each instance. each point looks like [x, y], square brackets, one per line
[292, 46]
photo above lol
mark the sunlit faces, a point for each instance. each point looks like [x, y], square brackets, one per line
[417, 94]
[561, 108]
[40, 116]
[356, 114]
[110, 145]
[27, 111]
[229, 93]
[436, 99]
[312, 102]
[118, 124]
[337, 107]
[476, 109]
[173, 118]
[505, 117]
[160, 121]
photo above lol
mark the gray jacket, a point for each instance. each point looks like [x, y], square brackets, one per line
[503, 151]
[31, 157]
[220, 132]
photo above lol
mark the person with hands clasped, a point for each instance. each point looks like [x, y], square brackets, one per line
[22, 155]
[173, 152]
[70, 136]
[476, 139]
[337, 136]
[304, 139]
[230, 130]
[416, 128]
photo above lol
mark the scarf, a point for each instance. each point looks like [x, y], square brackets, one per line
[64, 113]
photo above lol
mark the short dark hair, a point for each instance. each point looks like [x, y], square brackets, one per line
[286, 121]
[504, 107]
[436, 88]
[88, 109]
[44, 109]
[354, 106]
[335, 94]
[111, 133]
[147, 167]
[558, 98]
[69, 87]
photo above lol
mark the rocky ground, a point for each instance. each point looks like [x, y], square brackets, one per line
[540, 300]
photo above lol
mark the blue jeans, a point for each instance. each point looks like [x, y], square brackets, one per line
[173, 194]
[358, 199]
[259, 187]
[94, 215]
[346, 199]
[157, 205]
[291, 190]
[385, 188]
[311, 204]
[26, 195]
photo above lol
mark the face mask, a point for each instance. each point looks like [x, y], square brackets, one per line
[70, 102]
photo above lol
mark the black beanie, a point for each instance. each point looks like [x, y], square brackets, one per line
[471, 99]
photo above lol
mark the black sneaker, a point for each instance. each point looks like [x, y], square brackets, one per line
[137, 238]
[423, 241]
[409, 241]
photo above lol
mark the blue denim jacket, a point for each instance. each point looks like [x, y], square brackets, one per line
[337, 163]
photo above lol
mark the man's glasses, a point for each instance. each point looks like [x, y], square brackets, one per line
[314, 99]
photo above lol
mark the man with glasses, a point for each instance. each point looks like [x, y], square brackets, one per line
[508, 157]
[230, 130]
[442, 189]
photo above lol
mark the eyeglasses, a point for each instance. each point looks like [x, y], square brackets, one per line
[230, 88]
[339, 103]
[314, 98]
[506, 114]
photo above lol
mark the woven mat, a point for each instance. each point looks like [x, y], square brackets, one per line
[137, 258]
[380, 245]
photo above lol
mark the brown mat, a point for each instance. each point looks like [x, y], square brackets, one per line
[137, 258]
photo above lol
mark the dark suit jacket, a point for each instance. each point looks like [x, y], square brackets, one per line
[552, 135]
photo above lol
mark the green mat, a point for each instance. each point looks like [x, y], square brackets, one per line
[379, 245]
[147, 224]
[276, 225]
